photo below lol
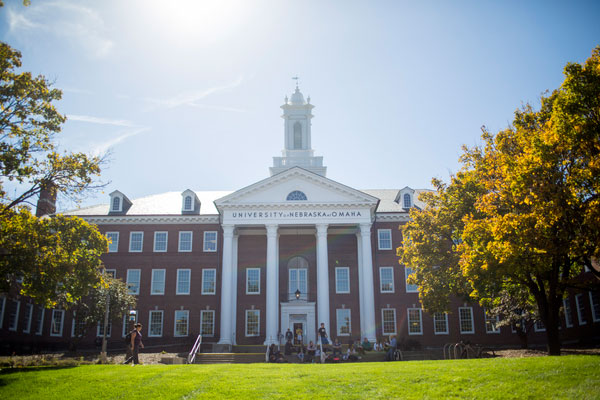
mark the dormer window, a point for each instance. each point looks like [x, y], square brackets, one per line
[119, 203]
[187, 204]
[116, 204]
[407, 200]
[296, 195]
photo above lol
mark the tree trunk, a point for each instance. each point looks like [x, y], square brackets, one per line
[552, 323]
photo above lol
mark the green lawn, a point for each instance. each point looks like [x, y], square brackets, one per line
[535, 378]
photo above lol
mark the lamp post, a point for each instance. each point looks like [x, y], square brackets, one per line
[103, 352]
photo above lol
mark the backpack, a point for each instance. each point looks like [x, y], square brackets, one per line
[128, 337]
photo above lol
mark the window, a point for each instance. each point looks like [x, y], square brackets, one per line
[252, 322]
[568, 314]
[252, 280]
[384, 239]
[155, 326]
[181, 323]
[128, 325]
[13, 315]
[39, 321]
[183, 281]
[388, 318]
[210, 241]
[440, 323]
[407, 200]
[187, 203]
[409, 287]
[342, 280]
[116, 204]
[207, 322]
[539, 326]
[160, 241]
[3, 301]
[133, 281]
[491, 323]
[296, 195]
[465, 318]
[185, 241]
[111, 273]
[415, 321]
[76, 326]
[343, 322]
[113, 247]
[136, 241]
[386, 279]
[28, 317]
[297, 136]
[209, 277]
[158, 281]
[595, 304]
[100, 329]
[56, 325]
[580, 309]
[298, 281]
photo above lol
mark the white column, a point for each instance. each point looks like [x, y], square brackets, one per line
[361, 287]
[226, 290]
[272, 285]
[234, 287]
[322, 278]
[367, 264]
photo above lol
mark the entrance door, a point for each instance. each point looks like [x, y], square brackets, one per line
[298, 332]
[297, 325]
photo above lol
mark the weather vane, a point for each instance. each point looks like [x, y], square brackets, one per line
[296, 79]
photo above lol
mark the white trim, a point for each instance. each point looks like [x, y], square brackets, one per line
[40, 327]
[205, 242]
[568, 312]
[162, 322]
[337, 321]
[52, 322]
[111, 272]
[214, 270]
[2, 310]
[435, 331]
[189, 284]
[303, 290]
[379, 232]
[128, 281]
[191, 205]
[408, 320]
[100, 328]
[166, 241]
[124, 327]
[248, 280]
[191, 242]
[493, 323]
[337, 289]
[17, 310]
[27, 328]
[538, 326]
[381, 280]
[595, 310]
[209, 219]
[406, 284]
[202, 312]
[580, 310]
[152, 281]
[383, 332]
[115, 243]
[392, 217]
[460, 320]
[187, 323]
[258, 323]
[112, 203]
[131, 242]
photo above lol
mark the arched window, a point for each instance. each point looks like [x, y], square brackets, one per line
[296, 195]
[187, 203]
[407, 202]
[298, 278]
[116, 204]
[297, 136]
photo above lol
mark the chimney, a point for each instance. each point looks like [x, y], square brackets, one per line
[46, 204]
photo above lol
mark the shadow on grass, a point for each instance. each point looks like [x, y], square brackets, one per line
[8, 371]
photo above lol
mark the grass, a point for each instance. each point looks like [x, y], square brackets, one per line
[522, 378]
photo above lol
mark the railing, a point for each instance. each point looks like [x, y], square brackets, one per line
[267, 353]
[195, 350]
[322, 353]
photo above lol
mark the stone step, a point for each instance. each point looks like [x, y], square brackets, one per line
[229, 358]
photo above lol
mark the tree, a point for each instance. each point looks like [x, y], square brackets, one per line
[529, 218]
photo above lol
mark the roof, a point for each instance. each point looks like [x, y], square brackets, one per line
[387, 199]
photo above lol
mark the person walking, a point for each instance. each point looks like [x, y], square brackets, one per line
[135, 345]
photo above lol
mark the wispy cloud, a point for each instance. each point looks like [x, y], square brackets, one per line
[103, 147]
[70, 21]
[190, 99]
[102, 121]
[217, 108]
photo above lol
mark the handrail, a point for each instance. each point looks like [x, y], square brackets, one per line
[195, 350]
[267, 354]
[321, 353]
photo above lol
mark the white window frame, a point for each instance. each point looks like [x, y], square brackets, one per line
[17, 310]
[204, 271]
[187, 323]
[74, 324]
[113, 247]
[257, 323]
[383, 331]
[179, 249]
[52, 322]
[595, 307]
[339, 319]
[408, 271]
[100, 328]
[538, 326]
[27, 328]
[131, 250]
[166, 241]
[568, 312]
[410, 201]
[408, 320]
[128, 282]
[212, 329]
[493, 323]
[206, 242]
[185, 198]
[124, 328]
[162, 322]
[292, 289]
[381, 269]
[379, 239]
[155, 281]
[189, 281]
[248, 270]
[40, 327]
[580, 310]
[460, 321]
[112, 204]
[338, 270]
[435, 326]
[2, 310]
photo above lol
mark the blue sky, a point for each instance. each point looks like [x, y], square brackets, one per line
[186, 94]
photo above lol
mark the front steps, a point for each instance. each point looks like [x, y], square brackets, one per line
[229, 358]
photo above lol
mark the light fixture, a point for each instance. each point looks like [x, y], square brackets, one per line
[297, 294]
